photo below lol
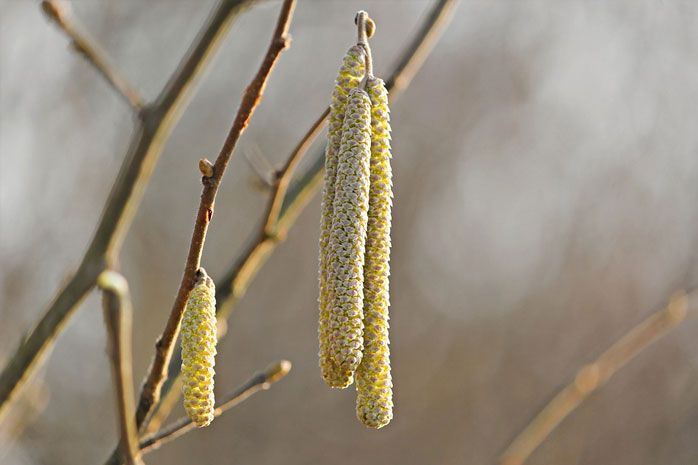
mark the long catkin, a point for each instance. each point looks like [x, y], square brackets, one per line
[374, 403]
[348, 78]
[199, 351]
[348, 235]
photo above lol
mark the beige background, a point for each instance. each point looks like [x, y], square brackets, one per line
[546, 183]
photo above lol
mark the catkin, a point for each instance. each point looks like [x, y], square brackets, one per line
[199, 351]
[374, 403]
[348, 235]
[348, 78]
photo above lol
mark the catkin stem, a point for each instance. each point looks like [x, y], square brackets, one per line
[365, 29]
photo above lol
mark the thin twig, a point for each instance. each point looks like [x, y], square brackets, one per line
[150, 393]
[288, 200]
[147, 142]
[284, 175]
[593, 376]
[58, 12]
[117, 318]
[259, 381]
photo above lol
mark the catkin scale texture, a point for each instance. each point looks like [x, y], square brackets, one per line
[348, 235]
[374, 404]
[199, 350]
[348, 78]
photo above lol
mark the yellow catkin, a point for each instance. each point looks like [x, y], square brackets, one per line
[374, 403]
[199, 350]
[348, 235]
[348, 78]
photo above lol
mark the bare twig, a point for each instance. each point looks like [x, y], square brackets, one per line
[150, 393]
[593, 376]
[260, 381]
[288, 200]
[117, 318]
[58, 11]
[146, 145]
[261, 167]
[284, 175]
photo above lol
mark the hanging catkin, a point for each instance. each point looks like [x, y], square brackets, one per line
[199, 350]
[348, 235]
[374, 403]
[348, 78]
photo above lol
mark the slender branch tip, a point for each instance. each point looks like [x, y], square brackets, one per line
[276, 371]
[112, 281]
[54, 10]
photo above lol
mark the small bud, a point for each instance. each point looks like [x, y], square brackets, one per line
[206, 168]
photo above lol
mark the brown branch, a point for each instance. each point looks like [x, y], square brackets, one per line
[150, 393]
[288, 200]
[117, 318]
[593, 376]
[58, 12]
[260, 381]
[147, 142]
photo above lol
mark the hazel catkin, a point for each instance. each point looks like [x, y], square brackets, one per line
[374, 403]
[348, 78]
[199, 350]
[348, 235]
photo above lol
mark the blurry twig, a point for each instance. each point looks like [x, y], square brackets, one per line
[150, 393]
[117, 318]
[58, 11]
[288, 200]
[260, 165]
[593, 376]
[152, 131]
[260, 381]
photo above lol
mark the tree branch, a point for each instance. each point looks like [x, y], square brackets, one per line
[117, 318]
[59, 13]
[150, 393]
[593, 376]
[146, 145]
[260, 381]
[288, 200]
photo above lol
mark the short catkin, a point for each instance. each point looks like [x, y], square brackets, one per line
[348, 235]
[199, 350]
[374, 403]
[348, 78]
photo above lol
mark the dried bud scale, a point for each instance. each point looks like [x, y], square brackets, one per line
[348, 234]
[348, 78]
[374, 405]
[199, 350]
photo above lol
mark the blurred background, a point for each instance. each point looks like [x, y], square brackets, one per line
[546, 183]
